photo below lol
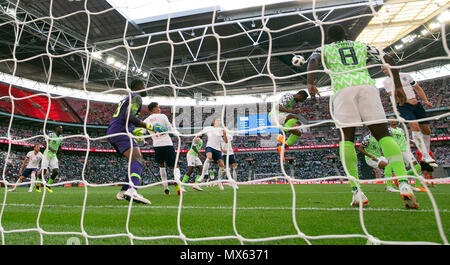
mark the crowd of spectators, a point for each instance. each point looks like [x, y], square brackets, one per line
[316, 135]
[437, 91]
[110, 168]
[306, 163]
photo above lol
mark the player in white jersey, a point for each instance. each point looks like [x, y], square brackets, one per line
[213, 149]
[227, 151]
[413, 110]
[32, 160]
[165, 154]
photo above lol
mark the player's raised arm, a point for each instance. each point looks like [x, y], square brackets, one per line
[422, 94]
[400, 96]
[225, 138]
[23, 164]
[313, 64]
[135, 107]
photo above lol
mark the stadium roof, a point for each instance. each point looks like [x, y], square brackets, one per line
[190, 60]
[144, 11]
[397, 18]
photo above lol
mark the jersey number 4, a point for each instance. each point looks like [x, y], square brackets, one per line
[346, 54]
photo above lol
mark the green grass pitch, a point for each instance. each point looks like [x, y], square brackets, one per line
[263, 211]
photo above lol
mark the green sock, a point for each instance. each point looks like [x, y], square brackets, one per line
[388, 174]
[196, 178]
[37, 184]
[419, 171]
[351, 161]
[50, 181]
[392, 152]
[185, 178]
[291, 139]
[289, 124]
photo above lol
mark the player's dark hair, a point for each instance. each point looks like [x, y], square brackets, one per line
[336, 33]
[135, 84]
[303, 93]
[152, 105]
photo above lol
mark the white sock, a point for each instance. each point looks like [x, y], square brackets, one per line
[17, 182]
[177, 174]
[220, 174]
[420, 144]
[163, 174]
[426, 140]
[33, 179]
[235, 174]
[205, 169]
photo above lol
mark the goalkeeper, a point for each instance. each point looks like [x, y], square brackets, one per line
[125, 119]
[284, 114]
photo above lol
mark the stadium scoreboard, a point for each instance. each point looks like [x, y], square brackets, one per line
[255, 124]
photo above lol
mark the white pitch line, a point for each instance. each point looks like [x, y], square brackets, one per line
[230, 208]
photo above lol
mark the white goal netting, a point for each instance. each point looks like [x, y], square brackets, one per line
[173, 37]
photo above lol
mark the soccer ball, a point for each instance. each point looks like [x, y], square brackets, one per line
[298, 60]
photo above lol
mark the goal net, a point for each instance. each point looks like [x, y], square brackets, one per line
[200, 60]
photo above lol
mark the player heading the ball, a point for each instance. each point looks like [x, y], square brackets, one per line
[356, 99]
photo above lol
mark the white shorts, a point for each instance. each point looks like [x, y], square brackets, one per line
[53, 162]
[280, 117]
[375, 164]
[193, 161]
[353, 105]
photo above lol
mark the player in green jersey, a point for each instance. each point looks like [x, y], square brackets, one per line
[193, 160]
[356, 99]
[284, 113]
[399, 136]
[50, 159]
[372, 154]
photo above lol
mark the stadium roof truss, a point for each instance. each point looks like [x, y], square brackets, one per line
[397, 18]
[250, 27]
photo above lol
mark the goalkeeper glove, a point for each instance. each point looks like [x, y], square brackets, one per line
[139, 132]
[156, 128]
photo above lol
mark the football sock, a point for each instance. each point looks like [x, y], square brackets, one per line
[234, 174]
[420, 144]
[205, 169]
[176, 173]
[163, 174]
[388, 174]
[426, 140]
[186, 178]
[196, 178]
[347, 154]
[220, 173]
[292, 138]
[393, 154]
[33, 179]
[136, 171]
